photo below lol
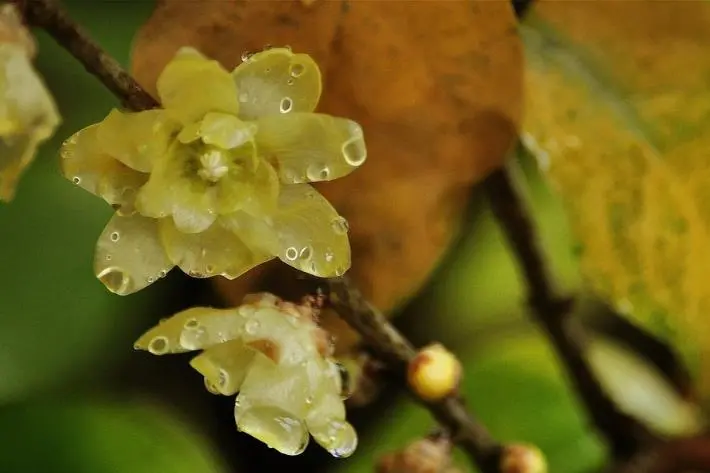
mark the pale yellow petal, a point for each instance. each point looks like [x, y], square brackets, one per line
[252, 190]
[129, 255]
[167, 336]
[312, 236]
[136, 139]
[277, 81]
[191, 86]
[311, 147]
[28, 115]
[224, 366]
[86, 165]
[226, 131]
[216, 251]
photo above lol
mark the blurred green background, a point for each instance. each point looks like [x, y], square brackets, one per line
[74, 397]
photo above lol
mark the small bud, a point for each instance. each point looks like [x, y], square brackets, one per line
[428, 455]
[521, 458]
[434, 373]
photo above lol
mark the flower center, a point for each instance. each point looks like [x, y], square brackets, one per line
[214, 165]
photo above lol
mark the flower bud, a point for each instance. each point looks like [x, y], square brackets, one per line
[521, 458]
[434, 373]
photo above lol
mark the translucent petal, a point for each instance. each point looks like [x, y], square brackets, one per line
[312, 236]
[191, 86]
[216, 251]
[255, 232]
[226, 131]
[85, 164]
[277, 81]
[205, 332]
[136, 139]
[277, 428]
[169, 332]
[28, 115]
[224, 366]
[175, 189]
[129, 255]
[337, 436]
[311, 147]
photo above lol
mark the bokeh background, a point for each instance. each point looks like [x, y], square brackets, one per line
[75, 397]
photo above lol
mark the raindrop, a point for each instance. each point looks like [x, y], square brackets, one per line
[108, 257]
[223, 377]
[306, 253]
[150, 279]
[309, 400]
[342, 439]
[211, 387]
[290, 82]
[162, 273]
[296, 70]
[291, 253]
[115, 236]
[115, 280]
[76, 180]
[354, 150]
[246, 56]
[209, 269]
[318, 172]
[252, 326]
[159, 345]
[340, 225]
[192, 324]
[329, 256]
[275, 427]
[286, 105]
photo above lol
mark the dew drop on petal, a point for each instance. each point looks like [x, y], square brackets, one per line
[340, 225]
[305, 253]
[252, 326]
[162, 273]
[192, 324]
[318, 172]
[115, 236]
[329, 255]
[209, 269]
[286, 105]
[108, 257]
[223, 378]
[211, 387]
[291, 253]
[246, 56]
[296, 70]
[290, 82]
[76, 180]
[159, 345]
[341, 439]
[354, 150]
[115, 280]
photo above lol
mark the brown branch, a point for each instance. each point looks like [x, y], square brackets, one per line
[679, 455]
[51, 16]
[348, 301]
[553, 313]
[391, 346]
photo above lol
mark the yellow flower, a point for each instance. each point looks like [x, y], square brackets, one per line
[28, 115]
[279, 361]
[216, 181]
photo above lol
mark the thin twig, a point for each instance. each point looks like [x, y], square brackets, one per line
[679, 455]
[51, 16]
[391, 346]
[552, 312]
[348, 301]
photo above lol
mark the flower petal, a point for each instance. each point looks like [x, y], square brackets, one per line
[28, 116]
[312, 236]
[224, 366]
[181, 332]
[136, 139]
[174, 189]
[226, 131]
[255, 192]
[216, 251]
[84, 163]
[277, 81]
[129, 255]
[311, 147]
[192, 85]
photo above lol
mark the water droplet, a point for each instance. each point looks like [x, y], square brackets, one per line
[252, 326]
[108, 257]
[296, 70]
[329, 256]
[354, 150]
[246, 56]
[115, 280]
[159, 345]
[342, 439]
[318, 172]
[150, 279]
[340, 225]
[115, 236]
[191, 324]
[306, 253]
[162, 273]
[290, 82]
[222, 379]
[211, 387]
[267, 70]
[309, 400]
[209, 269]
[291, 253]
[76, 180]
[286, 105]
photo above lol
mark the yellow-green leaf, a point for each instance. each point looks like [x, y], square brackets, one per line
[617, 106]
